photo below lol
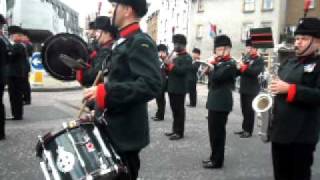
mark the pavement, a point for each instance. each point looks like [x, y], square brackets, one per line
[162, 159]
[51, 84]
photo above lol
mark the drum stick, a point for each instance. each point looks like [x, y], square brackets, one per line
[83, 106]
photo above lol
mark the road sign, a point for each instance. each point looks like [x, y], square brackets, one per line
[36, 62]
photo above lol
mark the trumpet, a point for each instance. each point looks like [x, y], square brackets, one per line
[169, 58]
[206, 66]
[243, 60]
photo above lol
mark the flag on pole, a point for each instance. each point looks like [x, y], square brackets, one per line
[213, 30]
[307, 4]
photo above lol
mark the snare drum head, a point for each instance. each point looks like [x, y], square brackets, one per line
[78, 147]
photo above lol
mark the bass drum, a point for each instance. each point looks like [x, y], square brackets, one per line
[67, 44]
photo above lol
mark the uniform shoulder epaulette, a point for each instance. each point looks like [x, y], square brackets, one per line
[145, 40]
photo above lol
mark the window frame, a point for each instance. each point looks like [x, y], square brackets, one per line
[199, 31]
[263, 8]
[246, 26]
[266, 22]
[200, 6]
[250, 10]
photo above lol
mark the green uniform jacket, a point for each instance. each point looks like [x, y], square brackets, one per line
[89, 75]
[133, 80]
[16, 64]
[249, 83]
[298, 120]
[222, 80]
[4, 57]
[29, 51]
[177, 77]
[164, 77]
[193, 72]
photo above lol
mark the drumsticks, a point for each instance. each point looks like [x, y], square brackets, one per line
[83, 106]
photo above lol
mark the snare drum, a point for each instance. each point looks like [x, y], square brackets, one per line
[78, 152]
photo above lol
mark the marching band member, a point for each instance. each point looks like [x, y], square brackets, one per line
[27, 87]
[296, 119]
[16, 72]
[161, 99]
[105, 35]
[133, 80]
[193, 77]
[4, 57]
[177, 85]
[220, 102]
[91, 34]
[251, 66]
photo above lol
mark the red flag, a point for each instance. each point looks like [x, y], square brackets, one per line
[213, 30]
[307, 4]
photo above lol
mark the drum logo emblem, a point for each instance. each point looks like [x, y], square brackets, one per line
[90, 147]
[65, 160]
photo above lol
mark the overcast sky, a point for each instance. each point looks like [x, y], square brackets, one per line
[86, 7]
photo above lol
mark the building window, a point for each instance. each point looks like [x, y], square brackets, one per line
[267, 5]
[266, 24]
[200, 6]
[177, 21]
[10, 4]
[249, 5]
[290, 30]
[199, 31]
[245, 31]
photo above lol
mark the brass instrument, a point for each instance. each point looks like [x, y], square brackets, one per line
[243, 60]
[206, 66]
[263, 102]
[169, 58]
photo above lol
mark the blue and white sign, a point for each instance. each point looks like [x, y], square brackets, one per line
[36, 62]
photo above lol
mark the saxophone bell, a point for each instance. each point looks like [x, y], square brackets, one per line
[262, 102]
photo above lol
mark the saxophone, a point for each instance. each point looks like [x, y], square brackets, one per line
[263, 102]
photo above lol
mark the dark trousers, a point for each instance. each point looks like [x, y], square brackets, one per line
[217, 135]
[2, 111]
[130, 158]
[178, 112]
[292, 161]
[192, 88]
[15, 89]
[161, 103]
[132, 161]
[247, 112]
[26, 90]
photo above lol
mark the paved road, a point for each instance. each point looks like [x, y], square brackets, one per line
[246, 159]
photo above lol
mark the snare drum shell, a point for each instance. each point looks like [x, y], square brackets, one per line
[68, 159]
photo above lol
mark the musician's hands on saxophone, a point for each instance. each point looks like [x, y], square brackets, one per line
[278, 86]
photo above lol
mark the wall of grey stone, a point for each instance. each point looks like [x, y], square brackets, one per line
[229, 17]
